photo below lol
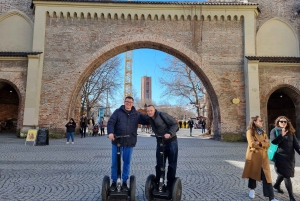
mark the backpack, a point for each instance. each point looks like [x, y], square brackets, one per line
[166, 122]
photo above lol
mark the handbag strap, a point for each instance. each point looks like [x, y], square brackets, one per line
[276, 132]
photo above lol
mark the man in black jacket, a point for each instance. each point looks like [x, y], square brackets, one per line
[124, 121]
[165, 125]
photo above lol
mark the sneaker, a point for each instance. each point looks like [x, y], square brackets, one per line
[113, 186]
[252, 194]
[279, 190]
[125, 187]
[72, 142]
[67, 142]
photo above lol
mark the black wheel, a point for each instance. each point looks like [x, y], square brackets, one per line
[105, 188]
[131, 191]
[149, 186]
[176, 190]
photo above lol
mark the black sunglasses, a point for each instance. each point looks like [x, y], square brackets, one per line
[283, 122]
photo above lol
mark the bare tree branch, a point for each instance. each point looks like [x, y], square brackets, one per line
[180, 81]
[105, 79]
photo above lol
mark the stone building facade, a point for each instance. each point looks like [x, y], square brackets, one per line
[244, 53]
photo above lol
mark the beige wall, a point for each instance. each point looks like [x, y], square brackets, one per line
[277, 38]
[16, 31]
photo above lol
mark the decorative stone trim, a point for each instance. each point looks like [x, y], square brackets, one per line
[18, 13]
[117, 10]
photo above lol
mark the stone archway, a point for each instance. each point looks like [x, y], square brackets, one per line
[187, 56]
[284, 100]
[9, 106]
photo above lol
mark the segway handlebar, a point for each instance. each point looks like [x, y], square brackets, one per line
[155, 135]
[121, 136]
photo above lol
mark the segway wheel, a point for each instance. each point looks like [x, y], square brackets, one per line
[132, 188]
[105, 188]
[149, 186]
[176, 190]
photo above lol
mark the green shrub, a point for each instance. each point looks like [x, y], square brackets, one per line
[233, 137]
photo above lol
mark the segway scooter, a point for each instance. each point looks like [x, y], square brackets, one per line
[152, 190]
[118, 194]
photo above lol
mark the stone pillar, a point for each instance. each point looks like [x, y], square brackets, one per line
[251, 67]
[252, 89]
[34, 72]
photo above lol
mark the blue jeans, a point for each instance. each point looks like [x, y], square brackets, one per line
[203, 129]
[70, 134]
[170, 153]
[126, 153]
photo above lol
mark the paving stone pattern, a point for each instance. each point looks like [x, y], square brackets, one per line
[209, 169]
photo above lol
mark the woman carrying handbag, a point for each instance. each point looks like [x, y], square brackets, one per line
[257, 167]
[285, 154]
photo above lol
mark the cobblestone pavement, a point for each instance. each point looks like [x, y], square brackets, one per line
[209, 169]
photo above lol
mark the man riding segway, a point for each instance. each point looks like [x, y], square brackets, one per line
[123, 122]
[165, 127]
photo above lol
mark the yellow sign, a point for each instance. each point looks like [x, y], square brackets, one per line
[31, 135]
[235, 101]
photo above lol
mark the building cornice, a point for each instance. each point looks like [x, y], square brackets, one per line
[270, 59]
[135, 10]
[17, 56]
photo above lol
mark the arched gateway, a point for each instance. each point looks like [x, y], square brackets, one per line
[72, 38]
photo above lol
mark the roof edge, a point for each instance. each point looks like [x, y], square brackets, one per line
[18, 54]
[274, 59]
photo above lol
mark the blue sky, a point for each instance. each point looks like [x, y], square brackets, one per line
[146, 62]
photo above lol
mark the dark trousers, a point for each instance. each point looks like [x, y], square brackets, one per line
[83, 131]
[267, 187]
[203, 128]
[191, 129]
[102, 131]
[288, 185]
[170, 153]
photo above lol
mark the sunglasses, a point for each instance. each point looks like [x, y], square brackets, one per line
[283, 122]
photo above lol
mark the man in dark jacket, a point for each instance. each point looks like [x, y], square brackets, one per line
[166, 126]
[124, 121]
[83, 124]
[191, 125]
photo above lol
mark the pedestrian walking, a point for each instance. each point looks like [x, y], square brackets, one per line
[283, 135]
[102, 126]
[71, 125]
[191, 125]
[257, 167]
[83, 124]
[91, 124]
[203, 124]
[124, 121]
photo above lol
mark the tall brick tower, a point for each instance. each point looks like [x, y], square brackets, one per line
[146, 89]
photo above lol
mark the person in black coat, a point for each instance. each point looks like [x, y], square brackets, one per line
[71, 125]
[164, 125]
[124, 121]
[285, 155]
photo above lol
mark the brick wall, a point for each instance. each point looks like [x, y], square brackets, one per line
[285, 78]
[69, 42]
[284, 10]
[15, 74]
[21, 5]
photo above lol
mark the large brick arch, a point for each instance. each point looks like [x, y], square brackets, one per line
[293, 93]
[190, 58]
